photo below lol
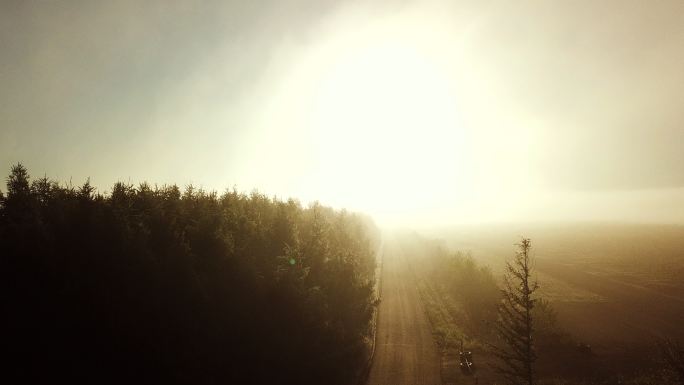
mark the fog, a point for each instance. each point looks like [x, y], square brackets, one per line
[419, 113]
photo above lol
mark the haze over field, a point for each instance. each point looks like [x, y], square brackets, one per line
[421, 113]
[433, 192]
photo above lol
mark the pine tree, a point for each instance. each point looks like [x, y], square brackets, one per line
[515, 348]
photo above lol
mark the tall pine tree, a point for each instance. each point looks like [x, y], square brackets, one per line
[515, 348]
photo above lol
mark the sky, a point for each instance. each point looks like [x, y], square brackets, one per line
[416, 112]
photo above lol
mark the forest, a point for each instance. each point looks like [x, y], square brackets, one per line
[150, 284]
[154, 284]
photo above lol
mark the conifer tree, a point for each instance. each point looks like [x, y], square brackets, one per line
[515, 328]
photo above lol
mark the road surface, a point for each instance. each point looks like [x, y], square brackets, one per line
[405, 352]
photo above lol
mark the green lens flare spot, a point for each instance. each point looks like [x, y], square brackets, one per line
[292, 261]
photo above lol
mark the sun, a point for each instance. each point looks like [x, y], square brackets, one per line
[369, 119]
[387, 130]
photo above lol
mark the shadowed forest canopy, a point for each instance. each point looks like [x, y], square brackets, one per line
[192, 286]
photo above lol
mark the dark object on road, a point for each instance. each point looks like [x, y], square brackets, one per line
[584, 349]
[466, 362]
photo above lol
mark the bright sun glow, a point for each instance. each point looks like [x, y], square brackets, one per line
[373, 120]
[387, 129]
[386, 125]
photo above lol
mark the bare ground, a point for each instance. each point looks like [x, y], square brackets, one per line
[405, 352]
[631, 312]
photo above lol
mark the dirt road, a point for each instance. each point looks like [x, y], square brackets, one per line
[405, 352]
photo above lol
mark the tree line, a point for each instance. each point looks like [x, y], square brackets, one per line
[503, 320]
[151, 284]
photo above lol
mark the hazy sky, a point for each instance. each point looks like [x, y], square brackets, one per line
[430, 111]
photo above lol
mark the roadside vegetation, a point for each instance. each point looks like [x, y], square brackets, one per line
[150, 284]
[462, 298]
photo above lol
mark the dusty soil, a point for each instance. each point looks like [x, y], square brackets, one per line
[631, 312]
[624, 326]
[405, 352]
